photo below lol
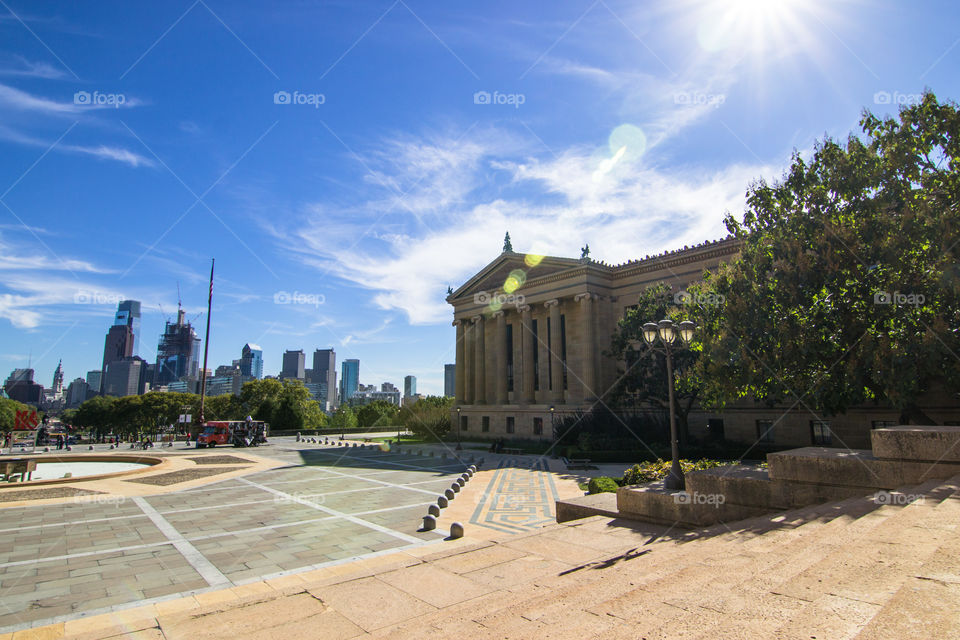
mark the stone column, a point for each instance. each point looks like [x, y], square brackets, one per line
[588, 376]
[480, 367]
[529, 344]
[501, 371]
[468, 361]
[460, 364]
[556, 363]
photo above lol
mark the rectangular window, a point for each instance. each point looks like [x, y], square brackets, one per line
[765, 430]
[510, 424]
[820, 433]
[485, 424]
[882, 424]
[563, 348]
[549, 358]
[538, 426]
[464, 423]
[509, 357]
[536, 356]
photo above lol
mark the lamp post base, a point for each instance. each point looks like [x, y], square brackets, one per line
[675, 481]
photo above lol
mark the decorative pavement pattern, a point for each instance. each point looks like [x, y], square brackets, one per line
[99, 553]
[519, 498]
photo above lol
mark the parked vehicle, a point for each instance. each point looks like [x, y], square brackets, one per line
[239, 433]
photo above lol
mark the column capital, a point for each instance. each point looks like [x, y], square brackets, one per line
[498, 313]
[477, 318]
[457, 322]
[551, 303]
[584, 297]
[524, 308]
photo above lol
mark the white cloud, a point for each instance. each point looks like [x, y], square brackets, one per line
[102, 151]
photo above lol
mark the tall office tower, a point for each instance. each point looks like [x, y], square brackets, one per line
[178, 354]
[349, 379]
[94, 380]
[57, 387]
[293, 363]
[325, 372]
[125, 377]
[128, 314]
[117, 346]
[251, 361]
[449, 380]
[409, 386]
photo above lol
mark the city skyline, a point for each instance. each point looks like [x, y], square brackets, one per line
[348, 164]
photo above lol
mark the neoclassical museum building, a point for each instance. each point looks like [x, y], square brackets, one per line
[532, 333]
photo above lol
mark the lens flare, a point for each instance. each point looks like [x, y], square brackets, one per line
[532, 259]
[515, 280]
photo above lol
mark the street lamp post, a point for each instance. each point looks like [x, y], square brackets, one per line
[459, 446]
[666, 332]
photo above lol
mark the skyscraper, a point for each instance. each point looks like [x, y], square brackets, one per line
[94, 379]
[117, 346]
[325, 372]
[349, 379]
[178, 352]
[251, 361]
[57, 387]
[409, 386]
[128, 315]
[125, 377]
[293, 362]
[449, 380]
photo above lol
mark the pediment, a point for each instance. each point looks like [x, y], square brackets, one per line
[492, 277]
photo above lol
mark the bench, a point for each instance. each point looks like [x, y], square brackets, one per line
[22, 466]
[578, 463]
[511, 452]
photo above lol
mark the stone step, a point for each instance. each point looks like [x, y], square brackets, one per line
[924, 443]
[853, 468]
[654, 503]
[602, 504]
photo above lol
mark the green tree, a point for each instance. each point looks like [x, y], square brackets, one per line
[428, 417]
[343, 418]
[96, 416]
[377, 412]
[254, 394]
[8, 413]
[846, 289]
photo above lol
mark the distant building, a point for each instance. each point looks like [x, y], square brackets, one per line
[125, 377]
[57, 387]
[178, 352]
[449, 380]
[320, 393]
[94, 379]
[388, 386]
[293, 365]
[77, 393]
[325, 373]
[117, 346]
[128, 315]
[371, 395]
[410, 386]
[251, 361]
[349, 379]
[20, 386]
[219, 385]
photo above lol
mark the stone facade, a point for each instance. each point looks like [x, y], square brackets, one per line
[522, 350]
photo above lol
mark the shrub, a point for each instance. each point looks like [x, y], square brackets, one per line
[652, 471]
[603, 484]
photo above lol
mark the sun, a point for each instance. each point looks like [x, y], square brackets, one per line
[755, 25]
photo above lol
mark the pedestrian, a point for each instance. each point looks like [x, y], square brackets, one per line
[59, 441]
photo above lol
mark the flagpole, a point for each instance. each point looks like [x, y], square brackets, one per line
[206, 348]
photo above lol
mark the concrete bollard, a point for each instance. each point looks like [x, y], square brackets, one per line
[434, 510]
[111, 446]
[69, 449]
[455, 487]
[460, 481]
[431, 454]
[91, 448]
[449, 493]
[442, 502]
[354, 445]
[456, 530]
[429, 523]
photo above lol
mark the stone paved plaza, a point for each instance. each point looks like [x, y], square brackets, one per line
[323, 505]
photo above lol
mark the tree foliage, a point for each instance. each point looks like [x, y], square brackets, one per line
[378, 412]
[846, 289]
[428, 417]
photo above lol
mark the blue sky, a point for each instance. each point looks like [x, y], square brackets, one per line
[346, 152]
